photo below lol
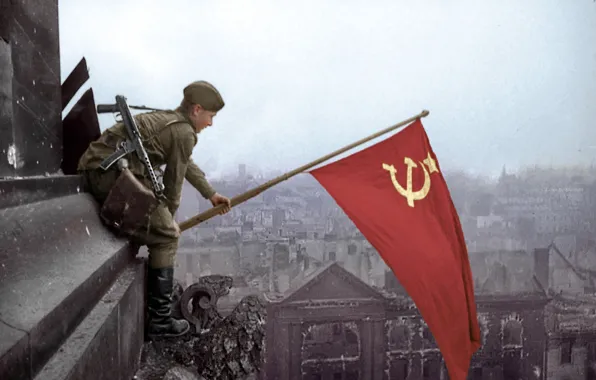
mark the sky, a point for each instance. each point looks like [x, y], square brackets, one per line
[507, 83]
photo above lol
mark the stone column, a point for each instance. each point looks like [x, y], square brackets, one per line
[30, 88]
[366, 348]
[280, 351]
[295, 344]
[372, 349]
[379, 349]
[553, 359]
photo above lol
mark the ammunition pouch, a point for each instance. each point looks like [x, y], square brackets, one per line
[129, 204]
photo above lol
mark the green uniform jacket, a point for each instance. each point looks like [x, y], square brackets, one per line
[169, 139]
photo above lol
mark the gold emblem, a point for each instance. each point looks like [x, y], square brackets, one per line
[408, 192]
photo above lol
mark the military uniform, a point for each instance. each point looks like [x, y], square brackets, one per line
[168, 138]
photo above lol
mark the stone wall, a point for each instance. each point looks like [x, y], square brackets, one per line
[71, 293]
[30, 93]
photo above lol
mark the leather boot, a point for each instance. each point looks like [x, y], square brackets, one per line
[160, 284]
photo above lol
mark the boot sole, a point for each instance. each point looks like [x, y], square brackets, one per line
[164, 336]
[157, 336]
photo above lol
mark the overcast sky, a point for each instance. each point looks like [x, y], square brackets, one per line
[506, 82]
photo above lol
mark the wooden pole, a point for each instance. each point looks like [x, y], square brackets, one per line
[258, 190]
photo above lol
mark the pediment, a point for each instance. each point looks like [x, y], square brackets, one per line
[332, 282]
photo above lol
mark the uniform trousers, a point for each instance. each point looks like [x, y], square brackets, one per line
[161, 235]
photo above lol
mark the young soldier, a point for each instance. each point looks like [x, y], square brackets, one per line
[169, 138]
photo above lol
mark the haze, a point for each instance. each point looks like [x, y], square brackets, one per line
[506, 82]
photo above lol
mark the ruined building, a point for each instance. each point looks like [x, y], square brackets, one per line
[331, 325]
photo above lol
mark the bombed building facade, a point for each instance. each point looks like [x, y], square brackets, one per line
[333, 326]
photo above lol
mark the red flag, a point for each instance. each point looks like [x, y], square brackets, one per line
[396, 196]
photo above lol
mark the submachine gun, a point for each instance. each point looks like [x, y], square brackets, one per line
[129, 202]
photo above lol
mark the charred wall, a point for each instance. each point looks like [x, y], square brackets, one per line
[514, 340]
[513, 343]
[411, 351]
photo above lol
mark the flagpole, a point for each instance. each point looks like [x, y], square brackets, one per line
[258, 190]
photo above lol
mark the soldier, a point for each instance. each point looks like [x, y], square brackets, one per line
[169, 138]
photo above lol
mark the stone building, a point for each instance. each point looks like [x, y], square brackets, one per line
[333, 326]
[571, 317]
[572, 338]
[513, 337]
[330, 325]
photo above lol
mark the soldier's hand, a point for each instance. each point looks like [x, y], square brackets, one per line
[218, 199]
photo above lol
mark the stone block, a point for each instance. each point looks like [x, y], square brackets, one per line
[30, 89]
[132, 323]
[14, 353]
[18, 192]
[108, 343]
[58, 260]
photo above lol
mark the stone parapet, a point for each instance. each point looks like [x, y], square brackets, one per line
[108, 343]
[57, 261]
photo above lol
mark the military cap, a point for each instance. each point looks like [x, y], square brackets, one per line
[205, 94]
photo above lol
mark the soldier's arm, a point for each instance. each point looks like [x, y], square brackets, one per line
[182, 142]
[196, 177]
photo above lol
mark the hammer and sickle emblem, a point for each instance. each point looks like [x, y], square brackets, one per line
[408, 192]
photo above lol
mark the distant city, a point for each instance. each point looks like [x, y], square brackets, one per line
[532, 244]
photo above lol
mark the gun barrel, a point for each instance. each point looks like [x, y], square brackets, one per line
[107, 108]
[143, 108]
[113, 108]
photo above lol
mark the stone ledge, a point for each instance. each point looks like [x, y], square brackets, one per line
[108, 343]
[20, 191]
[56, 261]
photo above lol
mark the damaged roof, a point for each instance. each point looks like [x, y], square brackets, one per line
[329, 281]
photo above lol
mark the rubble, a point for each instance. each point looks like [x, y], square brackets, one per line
[229, 348]
[233, 350]
[161, 356]
[179, 373]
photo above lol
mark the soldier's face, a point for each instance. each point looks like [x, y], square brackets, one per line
[201, 118]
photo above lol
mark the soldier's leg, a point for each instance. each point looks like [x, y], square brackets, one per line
[161, 239]
[99, 183]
